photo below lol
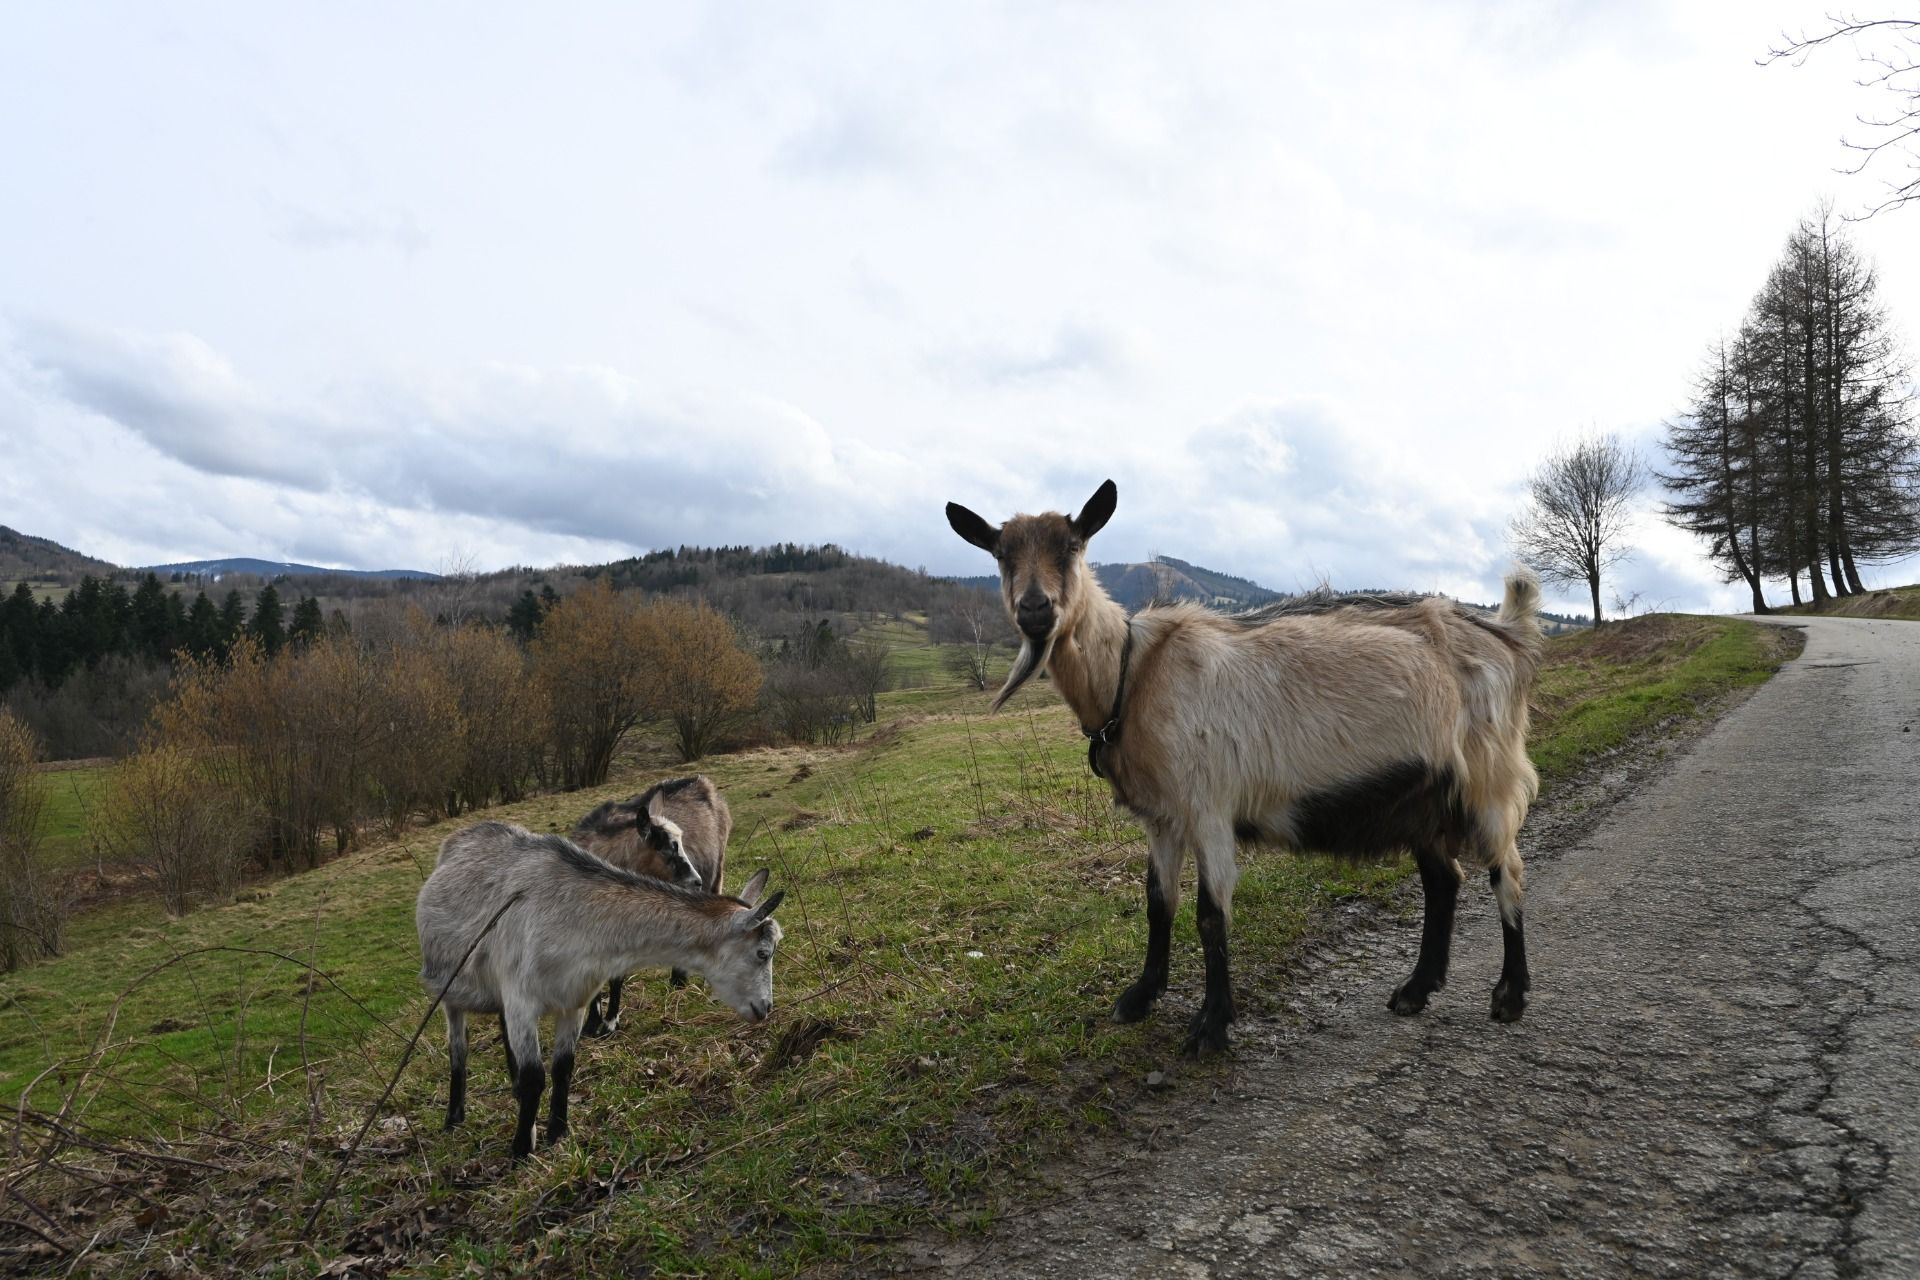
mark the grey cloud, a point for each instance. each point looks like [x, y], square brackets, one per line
[395, 229]
[1075, 348]
[849, 139]
[180, 396]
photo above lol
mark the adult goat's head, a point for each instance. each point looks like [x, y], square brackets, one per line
[1042, 561]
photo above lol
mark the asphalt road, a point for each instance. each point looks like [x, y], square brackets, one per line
[1719, 1073]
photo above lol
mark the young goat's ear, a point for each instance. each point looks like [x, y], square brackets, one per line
[750, 892]
[759, 914]
[973, 528]
[1099, 509]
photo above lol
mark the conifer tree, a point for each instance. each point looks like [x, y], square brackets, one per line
[267, 626]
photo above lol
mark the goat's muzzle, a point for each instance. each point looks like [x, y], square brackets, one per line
[1034, 616]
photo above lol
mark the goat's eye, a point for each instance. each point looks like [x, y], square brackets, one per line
[765, 954]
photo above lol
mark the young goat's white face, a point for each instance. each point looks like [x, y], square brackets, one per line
[669, 841]
[740, 970]
[1038, 556]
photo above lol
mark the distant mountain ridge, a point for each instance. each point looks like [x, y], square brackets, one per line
[277, 569]
[1165, 578]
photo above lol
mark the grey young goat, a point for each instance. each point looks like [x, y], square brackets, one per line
[675, 830]
[1354, 730]
[574, 921]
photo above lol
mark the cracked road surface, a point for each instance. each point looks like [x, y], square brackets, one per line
[1719, 1073]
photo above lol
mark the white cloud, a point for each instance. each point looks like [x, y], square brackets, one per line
[1316, 287]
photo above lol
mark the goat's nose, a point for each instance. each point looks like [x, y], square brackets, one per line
[1033, 600]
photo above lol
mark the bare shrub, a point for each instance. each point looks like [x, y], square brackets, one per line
[502, 717]
[167, 812]
[588, 663]
[697, 676]
[32, 912]
[414, 749]
[808, 704]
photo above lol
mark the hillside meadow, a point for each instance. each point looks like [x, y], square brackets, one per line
[963, 905]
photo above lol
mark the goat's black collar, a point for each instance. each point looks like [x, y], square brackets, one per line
[1109, 733]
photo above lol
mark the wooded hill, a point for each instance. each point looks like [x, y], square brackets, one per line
[24, 557]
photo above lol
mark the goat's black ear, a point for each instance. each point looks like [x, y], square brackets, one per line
[973, 528]
[765, 909]
[1099, 509]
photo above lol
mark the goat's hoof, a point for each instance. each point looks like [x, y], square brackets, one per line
[1509, 1003]
[1407, 999]
[521, 1150]
[454, 1122]
[557, 1136]
[1207, 1034]
[1203, 1042]
[602, 1030]
[1136, 1002]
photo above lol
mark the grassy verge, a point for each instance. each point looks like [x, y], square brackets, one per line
[1601, 689]
[963, 905]
[1894, 602]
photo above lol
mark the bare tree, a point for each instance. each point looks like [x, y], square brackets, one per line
[866, 667]
[1890, 50]
[1578, 508]
[968, 629]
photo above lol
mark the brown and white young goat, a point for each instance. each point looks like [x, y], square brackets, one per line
[573, 921]
[1354, 731]
[675, 830]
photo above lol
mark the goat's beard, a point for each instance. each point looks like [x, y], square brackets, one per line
[1029, 661]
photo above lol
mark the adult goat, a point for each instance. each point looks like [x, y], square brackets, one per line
[574, 920]
[1355, 730]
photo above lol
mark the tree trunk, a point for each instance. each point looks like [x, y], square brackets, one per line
[1594, 582]
[1853, 571]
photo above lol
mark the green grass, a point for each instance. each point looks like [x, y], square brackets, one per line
[72, 797]
[1601, 689]
[963, 905]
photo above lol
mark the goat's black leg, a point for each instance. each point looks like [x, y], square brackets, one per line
[596, 1026]
[526, 1091]
[513, 1068]
[614, 988]
[1136, 1002]
[523, 1039]
[457, 1057]
[1208, 1033]
[566, 1033]
[1442, 884]
[1510, 993]
[677, 978]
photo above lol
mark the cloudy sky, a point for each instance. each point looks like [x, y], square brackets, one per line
[377, 285]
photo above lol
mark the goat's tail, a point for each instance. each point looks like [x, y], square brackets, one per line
[1520, 610]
